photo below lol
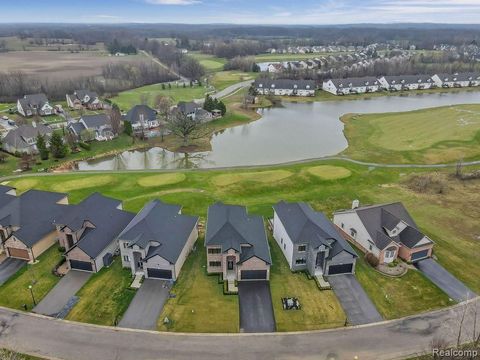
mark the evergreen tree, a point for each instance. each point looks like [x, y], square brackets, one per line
[57, 146]
[127, 125]
[42, 147]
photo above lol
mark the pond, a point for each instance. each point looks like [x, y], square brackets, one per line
[294, 131]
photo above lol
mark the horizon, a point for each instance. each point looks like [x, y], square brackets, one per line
[249, 12]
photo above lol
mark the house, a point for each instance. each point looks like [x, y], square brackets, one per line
[188, 108]
[88, 231]
[406, 82]
[309, 241]
[24, 138]
[275, 67]
[157, 241]
[27, 222]
[387, 231]
[84, 99]
[285, 87]
[142, 117]
[34, 104]
[456, 80]
[203, 115]
[98, 125]
[236, 244]
[358, 85]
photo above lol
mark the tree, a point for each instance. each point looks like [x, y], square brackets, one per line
[26, 161]
[42, 147]
[115, 119]
[57, 146]
[185, 127]
[191, 68]
[87, 135]
[127, 128]
[221, 106]
[163, 105]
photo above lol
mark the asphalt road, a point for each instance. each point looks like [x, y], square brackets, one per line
[146, 306]
[48, 337]
[355, 302]
[58, 297]
[9, 267]
[256, 309]
[453, 287]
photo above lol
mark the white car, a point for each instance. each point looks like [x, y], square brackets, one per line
[5, 117]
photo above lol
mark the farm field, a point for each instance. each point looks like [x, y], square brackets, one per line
[14, 43]
[444, 134]
[449, 217]
[60, 65]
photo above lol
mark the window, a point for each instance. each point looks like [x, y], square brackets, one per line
[389, 254]
[126, 258]
[302, 248]
[343, 225]
[370, 247]
[215, 263]
[300, 261]
[281, 240]
[284, 246]
[353, 232]
[125, 245]
[214, 250]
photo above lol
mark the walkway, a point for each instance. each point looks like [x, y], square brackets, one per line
[396, 339]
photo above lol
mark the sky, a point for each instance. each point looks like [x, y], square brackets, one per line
[316, 12]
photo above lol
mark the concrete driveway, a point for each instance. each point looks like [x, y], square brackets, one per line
[453, 287]
[256, 309]
[355, 302]
[9, 267]
[59, 296]
[147, 305]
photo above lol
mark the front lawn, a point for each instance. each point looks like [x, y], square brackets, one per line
[14, 293]
[397, 297]
[105, 296]
[199, 304]
[320, 309]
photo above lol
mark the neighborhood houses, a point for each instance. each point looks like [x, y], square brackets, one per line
[97, 125]
[24, 138]
[84, 99]
[285, 87]
[34, 104]
[142, 117]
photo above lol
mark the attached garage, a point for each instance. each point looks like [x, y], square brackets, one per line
[81, 265]
[340, 269]
[253, 275]
[18, 253]
[419, 255]
[159, 273]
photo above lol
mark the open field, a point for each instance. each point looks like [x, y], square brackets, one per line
[60, 65]
[14, 43]
[14, 293]
[450, 218]
[222, 79]
[105, 296]
[211, 63]
[444, 134]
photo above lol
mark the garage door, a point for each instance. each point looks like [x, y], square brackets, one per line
[253, 275]
[81, 265]
[159, 273]
[419, 255]
[340, 269]
[18, 253]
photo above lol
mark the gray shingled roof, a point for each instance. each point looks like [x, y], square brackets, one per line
[377, 218]
[80, 95]
[355, 82]
[306, 226]
[16, 137]
[285, 84]
[77, 127]
[163, 224]
[231, 227]
[468, 76]
[95, 121]
[34, 212]
[104, 214]
[188, 107]
[35, 99]
[133, 115]
[408, 79]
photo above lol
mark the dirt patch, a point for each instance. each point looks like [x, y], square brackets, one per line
[432, 183]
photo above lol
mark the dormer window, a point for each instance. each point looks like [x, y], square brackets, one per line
[302, 248]
[273, 85]
[295, 86]
[353, 233]
[308, 86]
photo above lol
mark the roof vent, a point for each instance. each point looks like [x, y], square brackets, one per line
[355, 204]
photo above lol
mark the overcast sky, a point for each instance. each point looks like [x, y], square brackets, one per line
[242, 11]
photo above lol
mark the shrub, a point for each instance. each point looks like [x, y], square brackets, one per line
[84, 145]
[372, 260]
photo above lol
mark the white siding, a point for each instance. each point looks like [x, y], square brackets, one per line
[282, 239]
[109, 249]
[351, 220]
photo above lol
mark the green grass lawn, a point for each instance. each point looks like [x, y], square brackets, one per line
[5, 106]
[14, 293]
[223, 79]
[199, 305]
[443, 134]
[105, 296]
[211, 63]
[13, 355]
[320, 309]
[450, 218]
[127, 99]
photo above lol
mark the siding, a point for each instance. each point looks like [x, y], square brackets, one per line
[185, 251]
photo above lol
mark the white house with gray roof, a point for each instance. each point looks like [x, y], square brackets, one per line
[236, 244]
[309, 241]
[84, 99]
[157, 241]
[285, 87]
[34, 104]
[457, 80]
[24, 138]
[406, 82]
[98, 125]
[387, 231]
[354, 85]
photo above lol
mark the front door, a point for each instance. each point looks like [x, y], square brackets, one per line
[230, 265]
[320, 260]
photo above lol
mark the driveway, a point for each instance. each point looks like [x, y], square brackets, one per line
[146, 306]
[355, 302]
[9, 267]
[453, 287]
[60, 295]
[256, 309]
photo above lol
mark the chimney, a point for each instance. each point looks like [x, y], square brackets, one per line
[355, 204]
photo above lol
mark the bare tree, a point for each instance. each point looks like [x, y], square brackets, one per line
[115, 119]
[163, 105]
[144, 98]
[185, 127]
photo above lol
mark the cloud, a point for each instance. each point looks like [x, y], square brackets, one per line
[103, 16]
[173, 2]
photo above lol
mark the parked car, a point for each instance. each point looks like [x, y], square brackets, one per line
[11, 122]
[5, 117]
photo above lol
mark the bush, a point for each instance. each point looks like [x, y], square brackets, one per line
[372, 260]
[84, 145]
